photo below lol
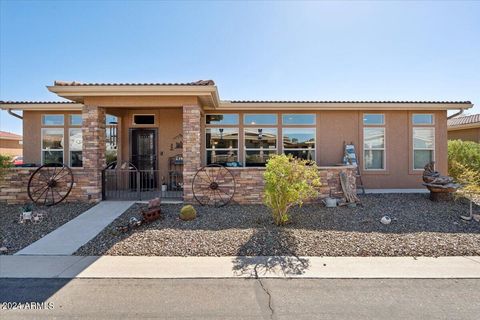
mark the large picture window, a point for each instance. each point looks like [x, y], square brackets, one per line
[299, 142]
[374, 148]
[52, 145]
[260, 145]
[75, 147]
[222, 146]
[423, 147]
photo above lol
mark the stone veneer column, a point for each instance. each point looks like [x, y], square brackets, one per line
[191, 148]
[93, 151]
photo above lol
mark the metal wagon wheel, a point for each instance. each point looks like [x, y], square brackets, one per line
[50, 184]
[213, 185]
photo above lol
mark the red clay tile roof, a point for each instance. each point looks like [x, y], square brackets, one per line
[37, 102]
[465, 120]
[9, 135]
[338, 101]
[195, 83]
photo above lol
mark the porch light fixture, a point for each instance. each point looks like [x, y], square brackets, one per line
[221, 134]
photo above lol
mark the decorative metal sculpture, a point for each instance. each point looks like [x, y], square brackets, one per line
[50, 184]
[213, 185]
[441, 187]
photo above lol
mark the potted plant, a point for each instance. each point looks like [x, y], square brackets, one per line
[27, 211]
[164, 185]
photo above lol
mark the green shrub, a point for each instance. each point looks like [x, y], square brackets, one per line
[288, 182]
[187, 213]
[462, 155]
[5, 163]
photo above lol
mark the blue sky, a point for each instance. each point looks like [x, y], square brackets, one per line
[253, 50]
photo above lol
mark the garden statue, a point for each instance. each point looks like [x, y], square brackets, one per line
[441, 187]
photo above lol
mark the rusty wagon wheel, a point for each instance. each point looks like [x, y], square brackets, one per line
[213, 185]
[50, 184]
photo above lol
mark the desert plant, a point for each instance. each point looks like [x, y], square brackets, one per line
[470, 189]
[187, 213]
[462, 155]
[110, 156]
[288, 182]
[5, 162]
[27, 207]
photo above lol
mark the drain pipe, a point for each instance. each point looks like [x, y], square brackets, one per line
[10, 112]
[455, 114]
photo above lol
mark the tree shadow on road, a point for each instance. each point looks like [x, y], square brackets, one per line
[253, 257]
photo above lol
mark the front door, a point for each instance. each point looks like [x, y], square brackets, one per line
[144, 155]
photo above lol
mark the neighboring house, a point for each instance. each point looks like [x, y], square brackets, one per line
[465, 128]
[10, 144]
[174, 129]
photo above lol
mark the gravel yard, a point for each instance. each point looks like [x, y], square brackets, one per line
[16, 236]
[419, 228]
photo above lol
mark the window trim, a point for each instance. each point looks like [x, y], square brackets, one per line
[245, 149]
[70, 149]
[221, 124]
[423, 124]
[260, 124]
[384, 149]
[299, 124]
[296, 149]
[221, 149]
[70, 116]
[52, 114]
[144, 114]
[373, 124]
[424, 149]
[41, 144]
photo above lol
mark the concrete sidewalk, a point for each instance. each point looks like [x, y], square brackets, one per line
[237, 267]
[75, 233]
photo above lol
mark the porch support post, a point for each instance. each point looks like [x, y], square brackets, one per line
[93, 150]
[191, 148]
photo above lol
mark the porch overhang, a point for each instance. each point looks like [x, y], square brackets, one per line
[205, 91]
[344, 105]
[41, 105]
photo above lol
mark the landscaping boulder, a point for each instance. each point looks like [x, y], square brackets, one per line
[188, 213]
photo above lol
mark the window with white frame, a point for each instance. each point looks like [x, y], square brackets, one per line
[298, 119]
[75, 143]
[260, 145]
[299, 142]
[52, 119]
[221, 119]
[422, 119]
[52, 145]
[260, 119]
[423, 147]
[374, 148]
[222, 146]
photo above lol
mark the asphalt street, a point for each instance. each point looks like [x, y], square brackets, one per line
[240, 298]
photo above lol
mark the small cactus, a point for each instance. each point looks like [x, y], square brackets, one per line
[188, 213]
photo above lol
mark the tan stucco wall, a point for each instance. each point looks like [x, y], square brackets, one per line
[333, 128]
[472, 134]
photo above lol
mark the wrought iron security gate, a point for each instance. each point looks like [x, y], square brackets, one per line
[132, 184]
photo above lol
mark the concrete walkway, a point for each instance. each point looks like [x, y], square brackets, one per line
[237, 267]
[75, 233]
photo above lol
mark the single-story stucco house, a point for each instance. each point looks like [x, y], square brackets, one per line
[173, 129]
[10, 144]
[466, 128]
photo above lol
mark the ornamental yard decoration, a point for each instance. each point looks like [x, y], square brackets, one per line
[441, 187]
[213, 185]
[50, 184]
